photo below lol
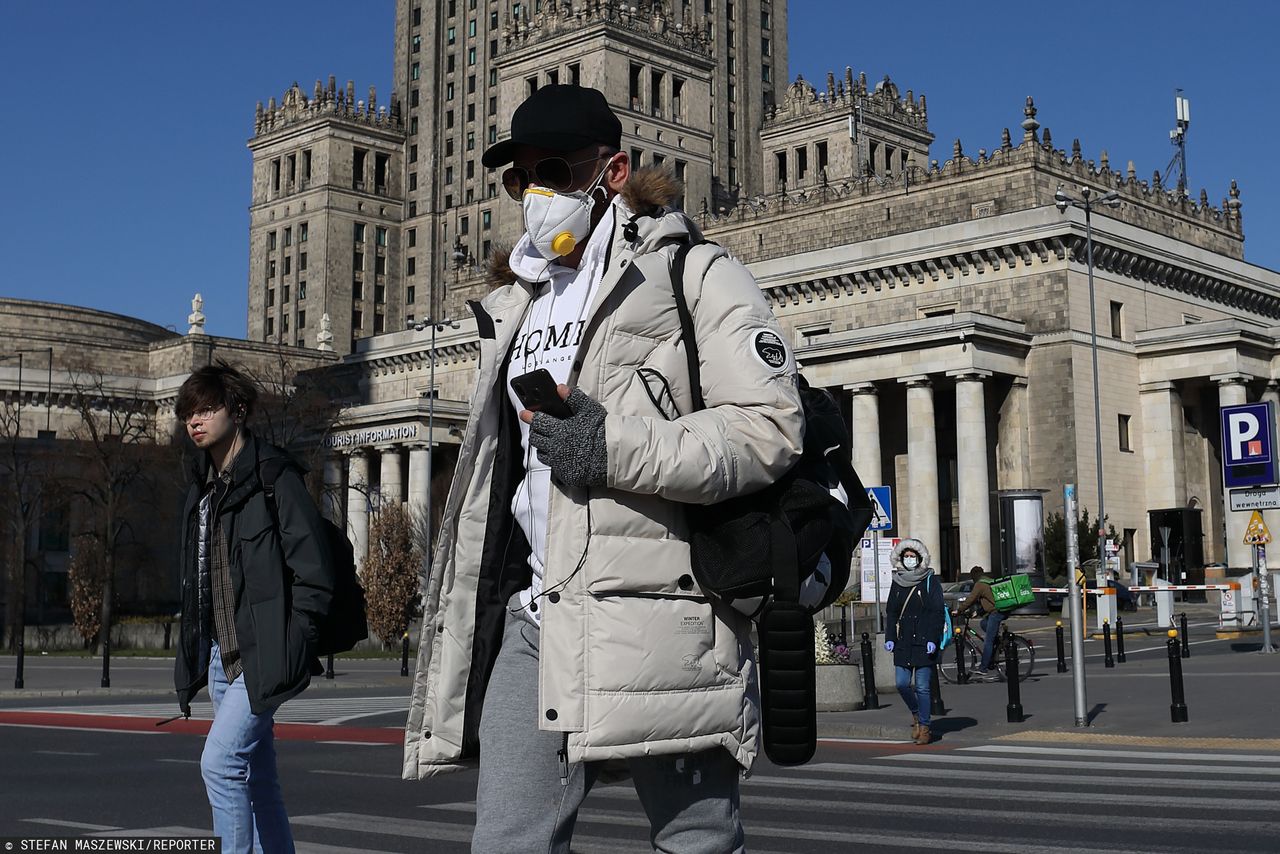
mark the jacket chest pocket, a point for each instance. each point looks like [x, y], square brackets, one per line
[257, 554]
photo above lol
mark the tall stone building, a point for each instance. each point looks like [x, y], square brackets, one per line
[940, 296]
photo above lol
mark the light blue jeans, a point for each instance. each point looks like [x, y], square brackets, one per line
[918, 696]
[524, 805]
[239, 770]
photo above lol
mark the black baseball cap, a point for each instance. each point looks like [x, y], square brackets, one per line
[560, 117]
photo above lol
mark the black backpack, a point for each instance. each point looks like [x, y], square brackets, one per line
[765, 544]
[345, 625]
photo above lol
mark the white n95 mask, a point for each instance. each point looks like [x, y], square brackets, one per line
[556, 222]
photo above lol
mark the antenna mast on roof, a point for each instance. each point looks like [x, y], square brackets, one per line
[1178, 136]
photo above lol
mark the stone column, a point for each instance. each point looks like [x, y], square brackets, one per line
[1232, 392]
[922, 465]
[1163, 458]
[389, 486]
[419, 478]
[1014, 457]
[972, 471]
[1272, 517]
[331, 497]
[866, 433]
[358, 504]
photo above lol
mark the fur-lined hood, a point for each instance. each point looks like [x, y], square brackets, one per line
[646, 194]
[914, 545]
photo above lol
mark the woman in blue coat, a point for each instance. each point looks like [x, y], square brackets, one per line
[913, 627]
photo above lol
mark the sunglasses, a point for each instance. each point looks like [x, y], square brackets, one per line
[554, 173]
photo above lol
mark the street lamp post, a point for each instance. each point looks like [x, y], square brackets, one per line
[436, 326]
[1087, 203]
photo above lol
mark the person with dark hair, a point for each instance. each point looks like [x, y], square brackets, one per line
[983, 600]
[912, 630]
[256, 577]
[565, 638]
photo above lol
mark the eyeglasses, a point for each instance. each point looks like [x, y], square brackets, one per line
[204, 414]
[554, 173]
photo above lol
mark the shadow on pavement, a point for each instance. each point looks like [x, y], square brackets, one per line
[1247, 647]
[1098, 709]
[943, 726]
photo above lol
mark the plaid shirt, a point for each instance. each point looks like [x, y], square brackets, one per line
[224, 594]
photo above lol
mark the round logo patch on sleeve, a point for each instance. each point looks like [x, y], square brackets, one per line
[770, 350]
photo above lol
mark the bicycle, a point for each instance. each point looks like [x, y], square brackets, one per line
[970, 643]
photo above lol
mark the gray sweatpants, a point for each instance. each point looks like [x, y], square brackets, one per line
[521, 805]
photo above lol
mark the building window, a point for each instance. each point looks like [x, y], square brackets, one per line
[471, 84]
[302, 319]
[637, 157]
[575, 74]
[413, 98]
[471, 112]
[357, 290]
[1117, 319]
[271, 268]
[413, 180]
[493, 191]
[448, 200]
[780, 159]
[417, 44]
[493, 77]
[302, 232]
[1124, 433]
[411, 266]
[802, 163]
[530, 85]
[493, 134]
[765, 74]
[764, 45]
[275, 175]
[358, 156]
[764, 20]
[471, 56]
[448, 147]
[471, 140]
[379, 323]
[493, 105]
[413, 237]
[302, 290]
[288, 239]
[413, 153]
[487, 248]
[821, 149]
[271, 240]
[379, 294]
[359, 232]
[284, 323]
[417, 22]
[288, 264]
[409, 294]
[553, 77]
[357, 261]
[357, 320]
[306, 165]
[493, 47]
[302, 261]
[413, 208]
[471, 29]
[382, 236]
[380, 265]
[486, 220]
[284, 292]
[493, 20]
[271, 326]
[448, 119]
[471, 169]
[271, 297]
[448, 91]
[448, 176]
[415, 73]
[452, 35]
[413, 124]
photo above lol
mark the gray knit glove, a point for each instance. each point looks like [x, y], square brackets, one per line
[573, 448]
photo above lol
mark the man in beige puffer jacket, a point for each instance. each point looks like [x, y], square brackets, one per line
[564, 636]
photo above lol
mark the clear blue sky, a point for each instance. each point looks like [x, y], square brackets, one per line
[128, 178]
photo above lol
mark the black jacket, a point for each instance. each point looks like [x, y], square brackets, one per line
[913, 617]
[281, 571]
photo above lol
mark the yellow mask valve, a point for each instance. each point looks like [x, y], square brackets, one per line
[563, 244]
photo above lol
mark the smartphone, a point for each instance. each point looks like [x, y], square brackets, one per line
[537, 391]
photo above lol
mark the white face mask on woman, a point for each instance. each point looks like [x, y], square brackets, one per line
[558, 222]
[910, 561]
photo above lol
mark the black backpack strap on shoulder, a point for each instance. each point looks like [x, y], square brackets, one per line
[686, 320]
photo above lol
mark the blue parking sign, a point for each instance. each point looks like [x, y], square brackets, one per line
[1248, 445]
[881, 508]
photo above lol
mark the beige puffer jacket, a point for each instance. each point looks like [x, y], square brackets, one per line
[635, 658]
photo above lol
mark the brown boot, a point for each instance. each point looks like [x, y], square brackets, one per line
[923, 736]
[915, 726]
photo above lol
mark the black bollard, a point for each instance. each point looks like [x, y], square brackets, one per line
[18, 681]
[869, 698]
[404, 655]
[936, 706]
[1182, 632]
[1178, 708]
[1120, 640]
[168, 634]
[328, 671]
[1107, 660]
[1014, 709]
[106, 659]
[1062, 650]
[962, 673]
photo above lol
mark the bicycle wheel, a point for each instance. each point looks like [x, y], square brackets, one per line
[947, 668]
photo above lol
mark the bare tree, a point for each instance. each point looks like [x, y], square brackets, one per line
[299, 408]
[26, 466]
[118, 457]
[390, 573]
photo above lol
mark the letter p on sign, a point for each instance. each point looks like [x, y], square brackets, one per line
[1243, 429]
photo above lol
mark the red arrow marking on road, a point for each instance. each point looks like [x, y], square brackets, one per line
[125, 723]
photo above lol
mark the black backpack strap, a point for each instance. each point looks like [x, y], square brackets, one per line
[686, 320]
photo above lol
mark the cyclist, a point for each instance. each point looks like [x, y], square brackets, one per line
[981, 598]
